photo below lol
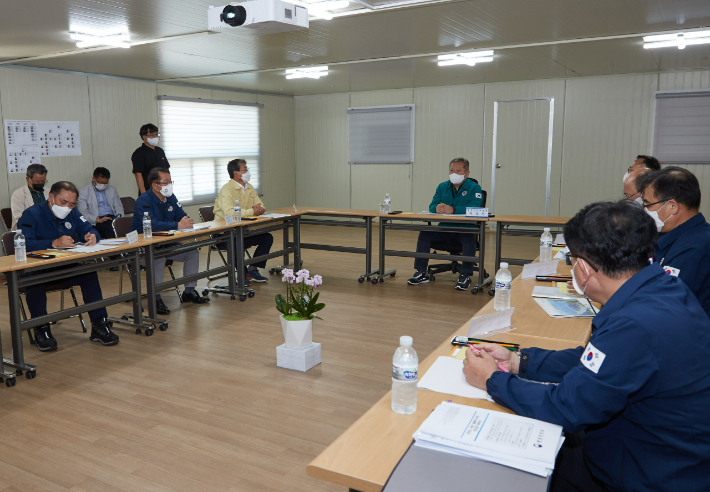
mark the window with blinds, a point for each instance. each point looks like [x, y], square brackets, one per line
[381, 135]
[682, 128]
[200, 137]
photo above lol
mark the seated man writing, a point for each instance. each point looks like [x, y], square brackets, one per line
[451, 197]
[239, 188]
[167, 214]
[671, 197]
[640, 389]
[57, 223]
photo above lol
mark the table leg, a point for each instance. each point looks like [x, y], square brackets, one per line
[482, 255]
[150, 281]
[15, 318]
[499, 241]
[286, 255]
[381, 273]
[296, 243]
[136, 279]
[231, 255]
[238, 257]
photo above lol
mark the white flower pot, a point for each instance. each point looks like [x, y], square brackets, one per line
[297, 334]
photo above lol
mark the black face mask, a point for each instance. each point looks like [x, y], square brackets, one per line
[39, 187]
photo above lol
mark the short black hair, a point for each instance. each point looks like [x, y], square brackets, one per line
[102, 172]
[234, 165]
[63, 185]
[460, 159]
[33, 169]
[147, 128]
[650, 162]
[672, 183]
[615, 237]
[154, 174]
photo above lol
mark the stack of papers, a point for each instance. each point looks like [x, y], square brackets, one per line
[488, 324]
[562, 254]
[275, 216]
[89, 249]
[567, 308]
[446, 376]
[195, 227]
[510, 440]
[532, 270]
[561, 292]
[559, 240]
[120, 240]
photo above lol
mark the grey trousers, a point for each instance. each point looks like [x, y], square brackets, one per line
[191, 261]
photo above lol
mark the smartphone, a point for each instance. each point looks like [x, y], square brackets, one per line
[163, 233]
[37, 255]
[249, 218]
[396, 212]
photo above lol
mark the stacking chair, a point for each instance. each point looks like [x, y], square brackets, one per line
[8, 246]
[207, 215]
[6, 214]
[121, 227]
[129, 205]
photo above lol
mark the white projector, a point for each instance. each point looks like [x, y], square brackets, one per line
[258, 16]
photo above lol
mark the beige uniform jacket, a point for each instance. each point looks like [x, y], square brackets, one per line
[232, 191]
[20, 201]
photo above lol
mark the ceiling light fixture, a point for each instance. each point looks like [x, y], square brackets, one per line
[679, 40]
[307, 72]
[117, 37]
[323, 10]
[469, 59]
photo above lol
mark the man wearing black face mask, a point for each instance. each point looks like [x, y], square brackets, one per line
[32, 194]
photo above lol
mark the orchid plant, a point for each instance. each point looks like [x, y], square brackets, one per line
[301, 301]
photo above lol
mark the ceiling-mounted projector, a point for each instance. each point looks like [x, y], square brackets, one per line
[258, 16]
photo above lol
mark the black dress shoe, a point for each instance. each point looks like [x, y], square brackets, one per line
[101, 332]
[194, 298]
[44, 339]
[162, 308]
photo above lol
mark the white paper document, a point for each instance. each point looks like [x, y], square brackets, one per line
[532, 270]
[510, 440]
[488, 323]
[561, 254]
[59, 138]
[121, 240]
[559, 240]
[275, 216]
[446, 376]
[90, 249]
[553, 293]
[21, 144]
[195, 227]
[567, 308]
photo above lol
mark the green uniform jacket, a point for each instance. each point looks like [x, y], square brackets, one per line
[469, 195]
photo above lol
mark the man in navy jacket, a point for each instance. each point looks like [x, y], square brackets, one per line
[640, 389]
[56, 223]
[671, 197]
[166, 214]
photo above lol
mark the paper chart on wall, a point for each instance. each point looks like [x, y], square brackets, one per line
[21, 144]
[59, 138]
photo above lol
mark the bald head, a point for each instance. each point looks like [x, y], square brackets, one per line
[630, 189]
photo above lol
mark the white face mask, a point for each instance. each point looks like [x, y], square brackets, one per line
[60, 212]
[639, 200]
[456, 178]
[153, 141]
[166, 190]
[100, 187]
[625, 176]
[579, 290]
[654, 215]
[246, 177]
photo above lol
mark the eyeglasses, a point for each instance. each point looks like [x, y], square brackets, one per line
[164, 183]
[152, 135]
[630, 197]
[646, 205]
[571, 256]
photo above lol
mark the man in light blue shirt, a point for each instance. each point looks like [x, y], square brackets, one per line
[99, 203]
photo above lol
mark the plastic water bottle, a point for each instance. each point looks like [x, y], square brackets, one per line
[388, 203]
[147, 226]
[405, 375]
[503, 281]
[20, 252]
[237, 211]
[546, 245]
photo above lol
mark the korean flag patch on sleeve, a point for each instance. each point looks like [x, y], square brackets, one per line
[592, 358]
[82, 218]
[479, 195]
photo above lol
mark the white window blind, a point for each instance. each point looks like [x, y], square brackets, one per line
[200, 137]
[381, 135]
[682, 128]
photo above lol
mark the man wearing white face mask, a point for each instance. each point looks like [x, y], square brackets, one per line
[148, 156]
[671, 197]
[99, 202]
[56, 224]
[631, 191]
[640, 388]
[451, 197]
[167, 214]
[642, 162]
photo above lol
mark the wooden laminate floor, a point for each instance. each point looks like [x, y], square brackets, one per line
[202, 406]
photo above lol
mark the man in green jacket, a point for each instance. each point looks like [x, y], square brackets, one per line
[451, 197]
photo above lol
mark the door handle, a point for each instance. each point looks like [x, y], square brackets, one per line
[497, 166]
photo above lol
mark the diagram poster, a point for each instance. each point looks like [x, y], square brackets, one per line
[59, 138]
[21, 144]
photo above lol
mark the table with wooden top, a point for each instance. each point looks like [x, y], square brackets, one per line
[363, 457]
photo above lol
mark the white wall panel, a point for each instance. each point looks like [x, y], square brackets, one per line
[233, 96]
[278, 151]
[323, 173]
[449, 124]
[184, 91]
[118, 109]
[607, 124]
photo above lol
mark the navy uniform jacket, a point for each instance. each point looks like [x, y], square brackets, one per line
[40, 227]
[640, 389]
[469, 195]
[163, 216]
[685, 253]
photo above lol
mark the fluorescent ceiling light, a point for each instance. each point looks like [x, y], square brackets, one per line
[117, 37]
[469, 59]
[307, 72]
[323, 9]
[679, 40]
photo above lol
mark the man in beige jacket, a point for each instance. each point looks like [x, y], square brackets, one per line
[30, 194]
[238, 188]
